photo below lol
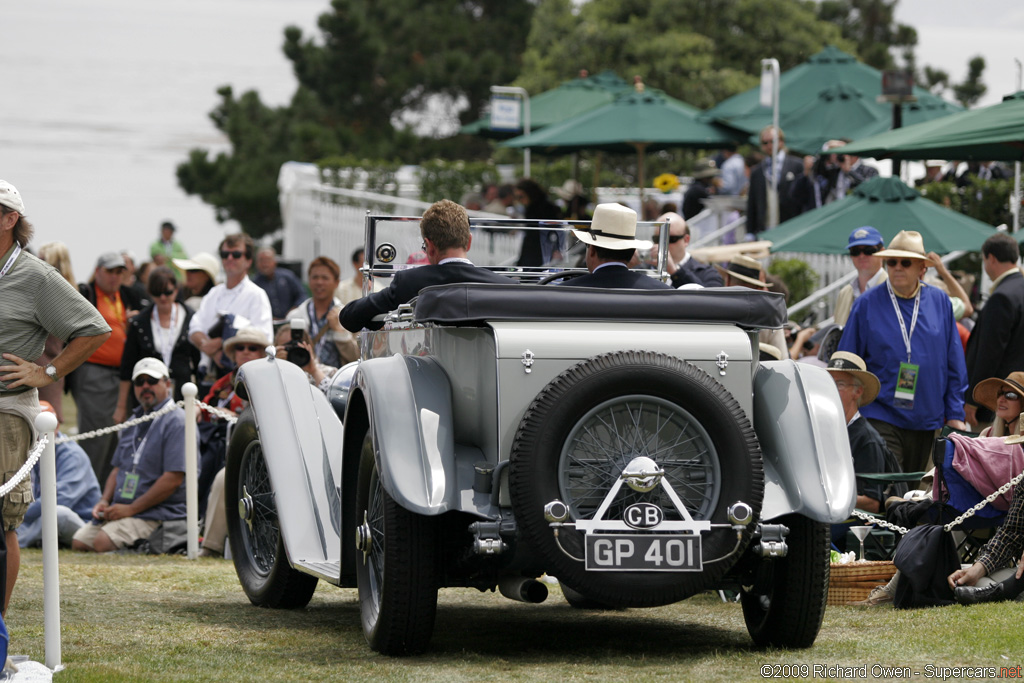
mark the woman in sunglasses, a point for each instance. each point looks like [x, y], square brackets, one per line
[1003, 397]
[160, 330]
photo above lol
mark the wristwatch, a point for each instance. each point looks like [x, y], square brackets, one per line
[51, 372]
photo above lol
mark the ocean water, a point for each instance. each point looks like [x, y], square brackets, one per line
[102, 100]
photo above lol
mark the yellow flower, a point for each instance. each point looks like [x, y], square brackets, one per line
[666, 182]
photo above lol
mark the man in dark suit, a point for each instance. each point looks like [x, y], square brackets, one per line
[680, 264]
[996, 345]
[612, 244]
[788, 169]
[446, 241]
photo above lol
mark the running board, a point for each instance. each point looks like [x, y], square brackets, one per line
[328, 571]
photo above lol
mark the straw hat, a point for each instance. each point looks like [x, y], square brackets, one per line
[246, 335]
[906, 244]
[207, 263]
[987, 392]
[844, 361]
[569, 189]
[706, 168]
[745, 268]
[613, 227]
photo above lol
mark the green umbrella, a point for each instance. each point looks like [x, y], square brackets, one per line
[568, 99]
[636, 121]
[837, 107]
[803, 84]
[993, 133]
[889, 206]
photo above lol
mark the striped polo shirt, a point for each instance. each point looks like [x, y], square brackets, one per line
[36, 301]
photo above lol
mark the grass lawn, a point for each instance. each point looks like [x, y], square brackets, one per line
[136, 618]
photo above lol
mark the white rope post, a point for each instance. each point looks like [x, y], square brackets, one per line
[189, 391]
[46, 424]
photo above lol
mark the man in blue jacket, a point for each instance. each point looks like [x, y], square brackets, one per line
[77, 492]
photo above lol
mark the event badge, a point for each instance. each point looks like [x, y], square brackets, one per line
[906, 385]
[131, 484]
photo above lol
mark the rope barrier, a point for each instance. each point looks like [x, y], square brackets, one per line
[33, 458]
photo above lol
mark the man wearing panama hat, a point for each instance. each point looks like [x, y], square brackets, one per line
[744, 271]
[611, 243]
[906, 334]
[857, 388]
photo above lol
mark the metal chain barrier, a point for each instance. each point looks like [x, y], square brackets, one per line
[956, 522]
[33, 458]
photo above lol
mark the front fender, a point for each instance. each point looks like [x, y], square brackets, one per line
[409, 402]
[801, 426]
[301, 437]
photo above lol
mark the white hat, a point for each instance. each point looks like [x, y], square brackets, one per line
[203, 261]
[613, 227]
[11, 198]
[154, 367]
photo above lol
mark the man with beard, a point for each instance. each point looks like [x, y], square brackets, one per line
[148, 468]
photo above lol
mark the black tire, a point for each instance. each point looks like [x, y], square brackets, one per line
[581, 601]
[397, 576]
[257, 547]
[785, 605]
[661, 398]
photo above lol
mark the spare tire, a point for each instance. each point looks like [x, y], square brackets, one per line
[592, 420]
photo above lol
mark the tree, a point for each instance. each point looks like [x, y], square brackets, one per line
[971, 89]
[871, 25]
[698, 50]
[373, 62]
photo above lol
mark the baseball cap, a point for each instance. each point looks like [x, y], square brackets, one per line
[110, 260]
[154, 367]
[11, 198]
[865, 237]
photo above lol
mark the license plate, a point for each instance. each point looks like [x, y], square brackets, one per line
[643, 552]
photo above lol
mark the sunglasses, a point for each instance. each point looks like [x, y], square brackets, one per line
[672, 239]
[862, 251]
[144, 380]
[1010, 395]
[252, 348]
[169, 292]
[236, 254]
[893, 262]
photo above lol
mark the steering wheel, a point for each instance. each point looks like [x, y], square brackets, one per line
[563, 275]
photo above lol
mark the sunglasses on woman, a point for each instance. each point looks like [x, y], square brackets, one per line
[862, 251]
[251, 348]
[1010, 395]
[893, 262]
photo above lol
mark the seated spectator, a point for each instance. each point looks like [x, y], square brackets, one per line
[744, 271]
[160, 330]
[77, 493]
[283, 287]
[1003, 397]
[249, 344]
[144, 487]
[611, 244]
[334, 345]
[200, 277]
[679, 263]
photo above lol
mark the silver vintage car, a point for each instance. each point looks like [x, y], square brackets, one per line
[629, 443]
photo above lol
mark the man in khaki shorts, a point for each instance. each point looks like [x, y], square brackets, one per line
[35, 302]
[148, 467]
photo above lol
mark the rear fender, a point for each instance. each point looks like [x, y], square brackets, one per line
[801, 426]
[409, 404]
[301, 438]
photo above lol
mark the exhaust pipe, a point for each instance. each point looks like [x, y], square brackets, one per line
[523, 589]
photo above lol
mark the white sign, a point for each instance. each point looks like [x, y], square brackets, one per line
[505, 113]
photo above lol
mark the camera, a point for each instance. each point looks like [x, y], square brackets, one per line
[295, 353]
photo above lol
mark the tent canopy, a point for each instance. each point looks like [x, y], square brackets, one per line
[888, 205]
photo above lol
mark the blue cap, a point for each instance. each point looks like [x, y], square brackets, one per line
[865, 237]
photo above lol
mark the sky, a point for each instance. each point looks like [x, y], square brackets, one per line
[951, 32]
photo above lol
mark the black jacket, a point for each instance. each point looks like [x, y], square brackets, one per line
[131, 299]
[996, 345]
[405, 285]
[138, 344]
[757, 197]
[616, 277]
[695, 272]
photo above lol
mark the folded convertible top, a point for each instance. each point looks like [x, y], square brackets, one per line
[475, 303]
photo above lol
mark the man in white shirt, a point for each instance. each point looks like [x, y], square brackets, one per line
[237, 295]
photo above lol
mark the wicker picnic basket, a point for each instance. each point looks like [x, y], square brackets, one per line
[849, 583]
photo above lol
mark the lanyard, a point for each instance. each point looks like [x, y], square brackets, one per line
[315, 324]
[166, 338]
[899, 315]
[138, 451]
[10, 261]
